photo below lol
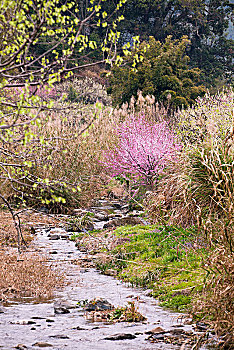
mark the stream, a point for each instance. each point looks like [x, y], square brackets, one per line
[33, 325]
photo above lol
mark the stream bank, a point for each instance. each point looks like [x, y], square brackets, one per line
[59, 323]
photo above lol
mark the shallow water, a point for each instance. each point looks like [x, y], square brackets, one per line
[44, 325]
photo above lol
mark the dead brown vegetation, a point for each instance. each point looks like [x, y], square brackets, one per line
[26, 276]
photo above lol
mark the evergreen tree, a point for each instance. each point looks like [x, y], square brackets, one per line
[162, 71]
[204, 22]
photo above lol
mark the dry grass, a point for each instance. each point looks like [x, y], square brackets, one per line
[216, 304]
[172, 201]
[27, 274]
[31, 276]
[199, 190]
[8, 234]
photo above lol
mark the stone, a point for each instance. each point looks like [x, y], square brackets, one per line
[54, 237]
[177, 331]
[59, 336]
[79, 212]
[121, 336]
[61, 308]
[42, 344]
[98, 305]
[89, 226]
[31, 322]
[1, 310]
[116, 205]
[23, 322]
[123, 221]
[110, 272]
[49, 320]
[157, 330]
[101, 217]
[65, 236]
[21, 347]
[158, 336]
[80, 328]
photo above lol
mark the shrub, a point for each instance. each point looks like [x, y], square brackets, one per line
[84, 90]
[202, 179]
[210, 115]
[199, 190]
[162, 71]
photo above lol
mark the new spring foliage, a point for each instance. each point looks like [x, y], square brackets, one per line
[143, 149]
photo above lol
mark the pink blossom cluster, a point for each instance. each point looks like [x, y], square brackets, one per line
[40, 91]
[43, 92]
[143, 150]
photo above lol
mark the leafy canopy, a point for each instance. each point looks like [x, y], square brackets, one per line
[204, 22]
[162, 71]
[41, 43]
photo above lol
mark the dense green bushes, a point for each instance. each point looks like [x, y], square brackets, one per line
[162, 71]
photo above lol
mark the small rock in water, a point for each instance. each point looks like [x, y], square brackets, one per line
[23, 322]
[80, 328]
[41, 344]
[101, 217]
[157, 330]
[157, 336]
[98, 305]
[120, 336]
[21, 347]
[117, 205]
[48, 320]
[62, 307]
[54, 237]
[1, 310]
[59, 336]
[31, 322]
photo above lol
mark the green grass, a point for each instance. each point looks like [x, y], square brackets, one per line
[166, 259]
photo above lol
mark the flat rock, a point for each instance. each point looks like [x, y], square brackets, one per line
[21, 347]
[80, 328]
[121, 336]
[62, 307]
[59, 336]
[98, 305]
[23, 322]
[54, 237]
[116, 205]
[42, 344]
[157, 330]
[101, 217]
[79, 212]
[123, 221]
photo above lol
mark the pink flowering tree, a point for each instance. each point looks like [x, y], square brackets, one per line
[143, 150]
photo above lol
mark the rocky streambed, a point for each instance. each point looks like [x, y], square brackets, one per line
[64, 322]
